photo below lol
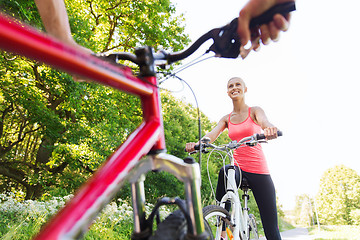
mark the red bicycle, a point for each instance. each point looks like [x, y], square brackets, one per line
[146, 143]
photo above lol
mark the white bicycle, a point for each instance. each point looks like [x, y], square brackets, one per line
[238, 222]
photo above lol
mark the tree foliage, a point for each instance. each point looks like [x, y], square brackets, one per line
[339, 196]
[180, 127]
[55, 132]
[304, 210]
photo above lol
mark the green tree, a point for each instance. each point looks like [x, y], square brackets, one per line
[180, 127]
[304, 211]
[338, 196]
[52, 129]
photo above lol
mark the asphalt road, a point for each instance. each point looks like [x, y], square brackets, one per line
[294, 234]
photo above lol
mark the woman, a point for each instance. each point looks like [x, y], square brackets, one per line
[245, 121]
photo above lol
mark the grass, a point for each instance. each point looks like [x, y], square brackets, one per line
[284, 225]
[23, 219]
[335, 232]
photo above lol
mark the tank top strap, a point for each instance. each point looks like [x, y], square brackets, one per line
[249, 115]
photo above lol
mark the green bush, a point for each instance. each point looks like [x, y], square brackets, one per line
[23, 219]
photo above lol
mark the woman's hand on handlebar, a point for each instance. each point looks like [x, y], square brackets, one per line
[266, 32]
[271, 133]
[190, 147]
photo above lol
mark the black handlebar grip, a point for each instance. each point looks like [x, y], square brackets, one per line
[196, 147]
[262, 136]
[282, 8]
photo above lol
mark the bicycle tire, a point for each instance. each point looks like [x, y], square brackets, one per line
[174, 227]
[253, 231]
[218, 215]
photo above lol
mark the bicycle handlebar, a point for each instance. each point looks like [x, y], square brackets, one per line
[262, 136]
[226, 41]
[250, 141]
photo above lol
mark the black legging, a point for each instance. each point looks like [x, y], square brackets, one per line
[263, 189]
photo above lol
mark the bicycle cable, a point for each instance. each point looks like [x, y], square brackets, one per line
[184, 67]
[198, 113]
[208, 173]
[240, 177]
[225, 173]
[174, 75]
[176, 71]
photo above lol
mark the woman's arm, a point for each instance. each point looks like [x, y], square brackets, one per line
[213, 134]
[270, 131]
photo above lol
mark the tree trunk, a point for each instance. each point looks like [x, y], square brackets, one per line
[45, 150]
[33, 191]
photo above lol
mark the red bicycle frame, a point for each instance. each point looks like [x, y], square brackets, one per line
[148, 137]
[147, 140]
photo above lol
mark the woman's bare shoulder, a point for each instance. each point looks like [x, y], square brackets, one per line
[256, 109]
[223, 122]
[225, 118]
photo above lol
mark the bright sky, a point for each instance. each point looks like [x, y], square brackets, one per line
[307, 83]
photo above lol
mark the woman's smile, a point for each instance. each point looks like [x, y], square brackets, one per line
[235, 92]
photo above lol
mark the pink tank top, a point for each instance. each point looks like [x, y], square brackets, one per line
[249, 159]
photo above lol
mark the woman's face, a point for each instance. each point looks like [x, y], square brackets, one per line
[236, 88]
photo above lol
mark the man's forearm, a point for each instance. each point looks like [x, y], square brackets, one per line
[55, 19]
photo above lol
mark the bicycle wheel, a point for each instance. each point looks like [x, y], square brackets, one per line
[174, 227]
[215, 218]
[252, 228]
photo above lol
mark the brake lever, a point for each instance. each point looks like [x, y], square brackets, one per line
[193, 152]
[226, 40]
[233, 144]
[251, 143]
[197, 151]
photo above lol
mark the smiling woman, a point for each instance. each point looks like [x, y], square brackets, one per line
[236, 84]
[245, 121]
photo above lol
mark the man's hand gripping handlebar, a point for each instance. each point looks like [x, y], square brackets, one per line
[226, 40]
